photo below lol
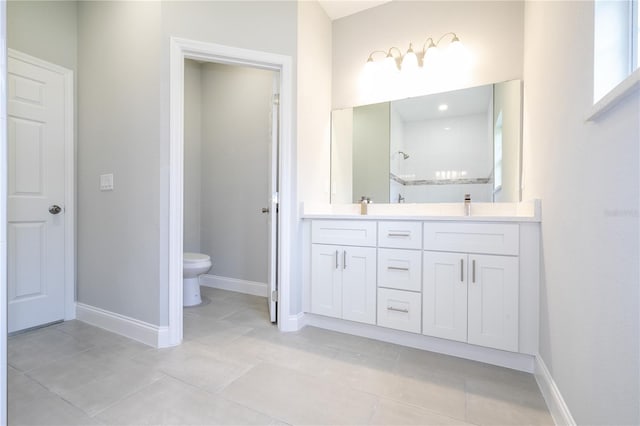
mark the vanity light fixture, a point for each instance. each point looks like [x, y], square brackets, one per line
[413, 59]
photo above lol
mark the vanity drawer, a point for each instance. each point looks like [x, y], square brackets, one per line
[399, 309]
[400, 269]
[486, 238]
[400, 235]
[344, 232]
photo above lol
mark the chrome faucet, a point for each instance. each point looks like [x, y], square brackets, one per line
[467, 204]
[400, 198]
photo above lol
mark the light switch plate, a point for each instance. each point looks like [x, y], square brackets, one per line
[106, 182]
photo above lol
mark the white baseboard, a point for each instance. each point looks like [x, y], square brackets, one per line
[132, 328]
[234, 284]
[292, 322]
[552, 396]
[516, 361]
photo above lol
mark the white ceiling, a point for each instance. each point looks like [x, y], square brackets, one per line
[337, 9]
[475, 100]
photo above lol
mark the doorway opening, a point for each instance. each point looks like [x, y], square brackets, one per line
[230, 193]
[281, 200]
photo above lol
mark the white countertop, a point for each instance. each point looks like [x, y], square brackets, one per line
[527, 211]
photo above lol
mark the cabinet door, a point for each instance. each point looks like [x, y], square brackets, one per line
[493, 301]
[444, 295]
[326, 280]
[359, 284]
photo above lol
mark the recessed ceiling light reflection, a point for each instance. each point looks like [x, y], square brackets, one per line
[443, 107]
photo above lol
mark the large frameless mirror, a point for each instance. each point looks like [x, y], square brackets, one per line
[430, 149]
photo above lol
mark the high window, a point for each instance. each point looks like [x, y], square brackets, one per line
[616, 46]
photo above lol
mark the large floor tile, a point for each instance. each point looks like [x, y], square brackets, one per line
[367, 373]
[269, 345]
[100, 338]
[106, 390]
[214, 309]
[197, 365]
[40, 347]
[388, 412]
[171, 402]
[506, 402]
[298, 398]
[67, 374]
[235, 367]
[222, 332]
[347, 342]
[250, 316]
[31, 404]
[441, 393]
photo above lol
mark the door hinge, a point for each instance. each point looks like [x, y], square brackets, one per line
[274, 296]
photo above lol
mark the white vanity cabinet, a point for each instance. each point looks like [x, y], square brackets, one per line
[343, 277]
[472, 297]
[467, 287]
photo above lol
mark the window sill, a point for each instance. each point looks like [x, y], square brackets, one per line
[628, 86]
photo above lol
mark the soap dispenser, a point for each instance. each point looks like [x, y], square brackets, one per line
[364, 205]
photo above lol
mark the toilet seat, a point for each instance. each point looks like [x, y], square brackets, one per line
[188, 258]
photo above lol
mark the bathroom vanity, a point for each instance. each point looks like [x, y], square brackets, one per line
[424, 275]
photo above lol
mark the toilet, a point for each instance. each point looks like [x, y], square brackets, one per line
[193, 265]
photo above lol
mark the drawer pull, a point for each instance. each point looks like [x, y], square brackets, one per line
[473, 271]
[397, 268]
[461, 271]
[344, 259]
[391, 308]
[336, 259]
[399, 234]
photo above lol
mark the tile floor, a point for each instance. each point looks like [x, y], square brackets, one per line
[236, 368]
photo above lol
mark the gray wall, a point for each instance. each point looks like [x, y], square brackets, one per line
[587, 175]
[269, 26]
[44, 29]
[119, 104]
[236, 108]
[124, 102]
[192, 155]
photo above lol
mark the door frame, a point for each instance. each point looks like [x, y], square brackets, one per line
[3, 215]
[69, 177]
[181, 49]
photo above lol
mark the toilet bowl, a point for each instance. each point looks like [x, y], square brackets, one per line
[193, 265]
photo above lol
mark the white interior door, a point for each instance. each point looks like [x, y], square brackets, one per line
[272, 268]
[36, 194]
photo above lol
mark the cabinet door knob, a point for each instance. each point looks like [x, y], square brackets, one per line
[265, 210]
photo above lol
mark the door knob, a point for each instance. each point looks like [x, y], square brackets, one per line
[265, 210]
[55, 209]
